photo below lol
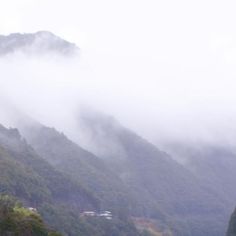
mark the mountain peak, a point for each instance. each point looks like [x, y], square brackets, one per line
[39, 43]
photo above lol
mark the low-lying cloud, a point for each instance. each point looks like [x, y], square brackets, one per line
[164, 102]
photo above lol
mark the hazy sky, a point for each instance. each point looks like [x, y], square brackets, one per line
[147, 27]
[169, 64]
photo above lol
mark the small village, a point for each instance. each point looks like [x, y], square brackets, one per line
[104, 214]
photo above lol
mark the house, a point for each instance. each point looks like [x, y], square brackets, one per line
[88, 213]
[32, 209]
[106, 214]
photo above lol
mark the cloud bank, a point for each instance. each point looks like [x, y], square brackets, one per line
[162, 102]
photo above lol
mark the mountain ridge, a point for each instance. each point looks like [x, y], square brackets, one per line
[40, 43]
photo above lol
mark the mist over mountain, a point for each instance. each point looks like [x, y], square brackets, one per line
[66, 156]
[141, 164]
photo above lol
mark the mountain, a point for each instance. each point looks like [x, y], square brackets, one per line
[209, 162]
[40, 43]
[60, 200]
[214, 165]
[17, 220]
[86, 168]
[16, 152]
[155, 178]
[36, 183]
[138, 180]
[111, 168]
[80, 165]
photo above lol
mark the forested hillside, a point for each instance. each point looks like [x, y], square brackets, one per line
[82, 166]
[150, 182]
[187, 202]
[60, 200]
[31, 179]
[17, 220]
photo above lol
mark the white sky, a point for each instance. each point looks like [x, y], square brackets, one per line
[177, 57]
[127, 25]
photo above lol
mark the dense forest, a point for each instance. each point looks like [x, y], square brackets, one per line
[59, 200]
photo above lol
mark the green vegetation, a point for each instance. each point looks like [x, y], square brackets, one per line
[140, 181]
[15, 220]
[83, 167]
[33, 181]
[61, 180]
[162, 188]
[58, 199]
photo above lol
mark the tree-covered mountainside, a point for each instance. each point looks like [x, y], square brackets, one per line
[156, 179]
[87, 168]
[31, 179]
[232, 225]
[16, 220]
[145, 181]
[214, 166]
[208, 162]
[15, 152]
[82, 166]
[59, 200]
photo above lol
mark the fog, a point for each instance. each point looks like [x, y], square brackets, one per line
[163, 105]
[169, 75]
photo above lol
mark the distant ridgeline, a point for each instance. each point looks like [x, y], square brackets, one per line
[42, 42]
